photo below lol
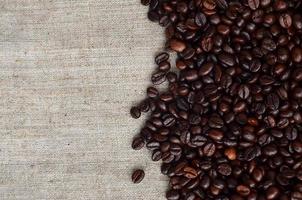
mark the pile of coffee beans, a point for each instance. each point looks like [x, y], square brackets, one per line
[229, 125]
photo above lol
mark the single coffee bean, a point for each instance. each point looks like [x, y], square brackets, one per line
[190, 172]
[253, 4]
[158, 77]
[145, 2]
[177, 45]
[230, 153]
[243, 190]
[172, 195]
[135, 112]
[138, 175]
[138, 143]
[297, 54]
[244, 91]
[272, 193]
[215, 134]
[206, 69]
[207, 44]
[209, 149]
[224, 169]
[285, 20]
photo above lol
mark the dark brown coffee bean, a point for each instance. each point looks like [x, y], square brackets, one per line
[207, 44]
[226, 59]
[209, 149]
[272, 101]
[216, 121]
[135, 112]
[158, 77]
[205, 182]
[297, 54]
[198, 140]
[190, 172]
[253, 4]
[145, 2]
[272, 193]
[224, 169]
[172, 195]
[152, 92]
[164, 66]
[222, 4]
[209, 4]
[206, 69]
[215, 134]
[243, 91]
[243, 190]
[200, 19]
[258, 174]
[177, 45]
[138, 143]
[138, 175]
[285, 20]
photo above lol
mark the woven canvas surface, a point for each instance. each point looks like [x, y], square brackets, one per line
[70, 70]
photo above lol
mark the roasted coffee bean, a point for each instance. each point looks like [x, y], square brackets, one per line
[172, 195]
[243, 91]
[243, 190]
[177, 45]
[209, 149]
[138, 143]
[161, 58]
[216, 121]
[206, 68]
[285, 20]
[135, 112]
[224, 169]
[253, 4]
[138, 175]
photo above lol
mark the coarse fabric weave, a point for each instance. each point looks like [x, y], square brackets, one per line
[70, 70]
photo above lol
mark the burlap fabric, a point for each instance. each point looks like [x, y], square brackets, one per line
[70, 70]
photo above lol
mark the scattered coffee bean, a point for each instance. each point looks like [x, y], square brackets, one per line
[138, 175]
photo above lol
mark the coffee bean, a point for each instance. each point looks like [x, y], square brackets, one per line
[224, 169]
[272, 193]
[135, 112]
[243, 91]
[138, 143]
[200, 19]
[177, 45]
[253, 4]
[230, 153]
[206, 69]
[226, 59]
[285, 20]
[138, 175]
[222, 4]
[207, 44]
[190, 172]
[243, 190]
[172, 195]
[209, 149]
[145, 2]
[215, 134]
[158, 77]
[215, 121]
[272, 101]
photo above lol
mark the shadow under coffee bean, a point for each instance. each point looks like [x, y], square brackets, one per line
[229, 124]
